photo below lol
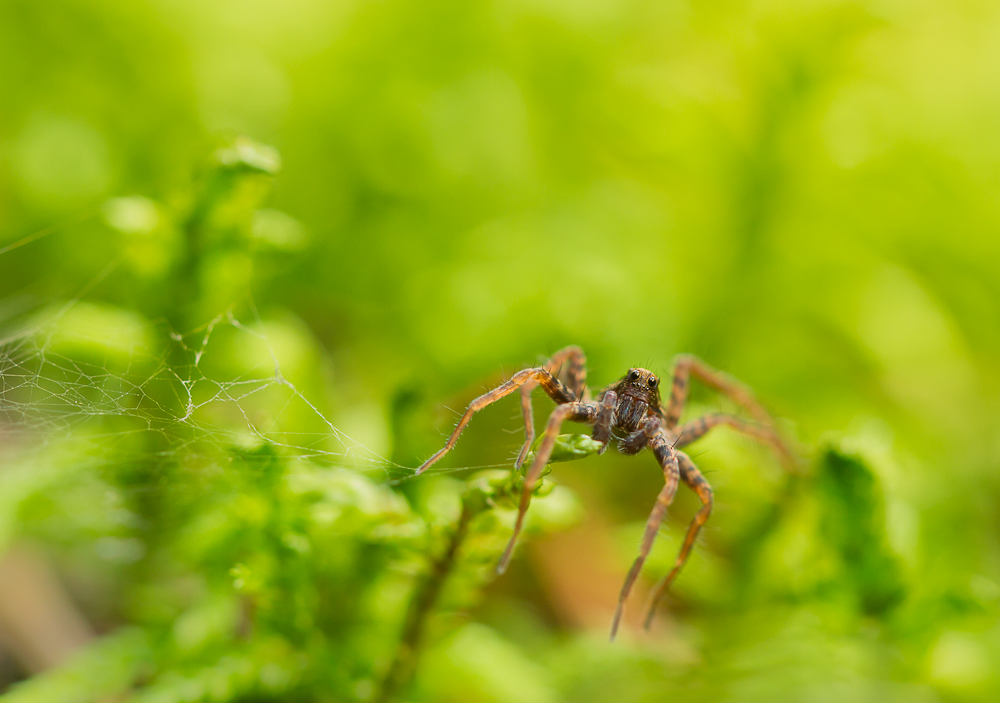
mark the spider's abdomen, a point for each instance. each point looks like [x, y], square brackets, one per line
[630, 412]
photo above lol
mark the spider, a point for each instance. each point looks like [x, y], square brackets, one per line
[631, 412]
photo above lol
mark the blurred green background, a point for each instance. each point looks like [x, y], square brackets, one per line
[273, 248]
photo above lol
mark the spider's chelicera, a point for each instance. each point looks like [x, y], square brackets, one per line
[631, 412]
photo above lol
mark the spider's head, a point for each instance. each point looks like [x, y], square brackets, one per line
[638, 391]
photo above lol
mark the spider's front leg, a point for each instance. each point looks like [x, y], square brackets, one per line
[694, 479]
[649, 435]
[541, 376]
[577, 412]
[570, 364]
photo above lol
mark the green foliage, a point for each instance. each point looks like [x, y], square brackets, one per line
[103, 670]
[566, 448]
[301, 575]
[853, 524]
[218, 366]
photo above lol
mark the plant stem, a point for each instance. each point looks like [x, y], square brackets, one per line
[425, 597]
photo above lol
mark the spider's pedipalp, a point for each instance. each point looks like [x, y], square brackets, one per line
[636, 441]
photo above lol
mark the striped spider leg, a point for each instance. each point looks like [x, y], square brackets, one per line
[536, 376]
[570, 365]
[762, 429]
[629, 409]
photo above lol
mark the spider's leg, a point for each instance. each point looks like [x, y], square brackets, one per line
[696, 429]
[606, 419]
[686, 366]
[574, 373]
[529, 425]
[577, 412]
[636, 441]
[575, 378]
[667, 457]
[553, 386]
[693, 478]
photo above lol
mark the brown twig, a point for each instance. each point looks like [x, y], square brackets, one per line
[425, 597]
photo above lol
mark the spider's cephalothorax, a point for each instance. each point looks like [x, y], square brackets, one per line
[632, 407]
[638, 398]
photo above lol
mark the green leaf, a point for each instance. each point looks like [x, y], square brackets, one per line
[568, 447]
[853, 523]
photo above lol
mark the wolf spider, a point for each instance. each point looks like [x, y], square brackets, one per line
[629, 411]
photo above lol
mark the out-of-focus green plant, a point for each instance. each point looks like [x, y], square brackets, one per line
[289, 579]
[484, 492]
[243, 570]
[804, 194]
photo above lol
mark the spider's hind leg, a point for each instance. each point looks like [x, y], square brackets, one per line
[696, 429]
[687, 366]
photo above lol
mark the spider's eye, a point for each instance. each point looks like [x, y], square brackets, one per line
[653, 381]
[633, 375]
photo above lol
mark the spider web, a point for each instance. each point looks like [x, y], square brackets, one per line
[126, 389]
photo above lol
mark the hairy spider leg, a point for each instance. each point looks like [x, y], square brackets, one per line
[687, 365]
[696, 429]
[636, 441]
[667, 457]
[574, 374]
[577, 412]
[553, 386]
[605, 419]
[693, 478]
